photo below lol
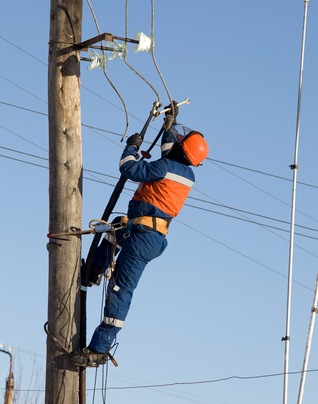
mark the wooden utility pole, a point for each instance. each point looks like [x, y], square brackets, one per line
[65, 196]
[9, 381]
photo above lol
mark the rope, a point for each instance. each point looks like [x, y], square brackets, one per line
[104, 377]
[105, 72]
[96, 370]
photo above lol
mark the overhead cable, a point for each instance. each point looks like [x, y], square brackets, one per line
[129, 65]
[105, 71]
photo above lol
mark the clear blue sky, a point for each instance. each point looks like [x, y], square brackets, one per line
[214, 305]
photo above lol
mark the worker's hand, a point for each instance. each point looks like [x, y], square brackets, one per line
[175, 110]
[135, 140]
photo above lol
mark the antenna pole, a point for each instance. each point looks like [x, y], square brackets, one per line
[294, 167]
[314, 311]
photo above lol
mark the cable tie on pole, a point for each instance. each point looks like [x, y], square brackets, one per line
[285, 338]
[293, 166]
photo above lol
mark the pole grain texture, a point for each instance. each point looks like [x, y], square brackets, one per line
[65, 199]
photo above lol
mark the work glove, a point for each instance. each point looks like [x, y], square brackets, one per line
[135, 140]
[175, 109]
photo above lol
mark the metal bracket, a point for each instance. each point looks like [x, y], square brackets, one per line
[89, 43]
[106, 36]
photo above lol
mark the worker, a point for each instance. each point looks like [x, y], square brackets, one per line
[163, 189]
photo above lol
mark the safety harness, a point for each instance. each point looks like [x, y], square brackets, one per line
[149, 222]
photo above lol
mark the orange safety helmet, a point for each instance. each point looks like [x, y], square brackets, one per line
[195, 148]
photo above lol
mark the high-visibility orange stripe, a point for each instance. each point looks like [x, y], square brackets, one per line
[167, 195]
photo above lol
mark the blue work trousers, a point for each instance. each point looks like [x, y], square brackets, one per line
[138, 249]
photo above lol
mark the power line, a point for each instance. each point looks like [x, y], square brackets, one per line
[24, 153]
[23, 161]
[114, 105]
[267, 193]
[94, 128]
[222, 214]
[250, 221]
[211, 238]
[84, 87]
[240, 253]
[194, 382]
[211, 160]
[215, 161]
[23, 108]
[263, 173]
[92, 172]
[21, 137]
[23, 50]
[46, 114]
[259, 172]
[23, 89]
[250, 213]
[46, 167]
[223, 379]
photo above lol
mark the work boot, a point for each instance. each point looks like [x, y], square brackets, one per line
[87, 358]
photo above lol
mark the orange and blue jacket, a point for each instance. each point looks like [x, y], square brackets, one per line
[164, 183]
